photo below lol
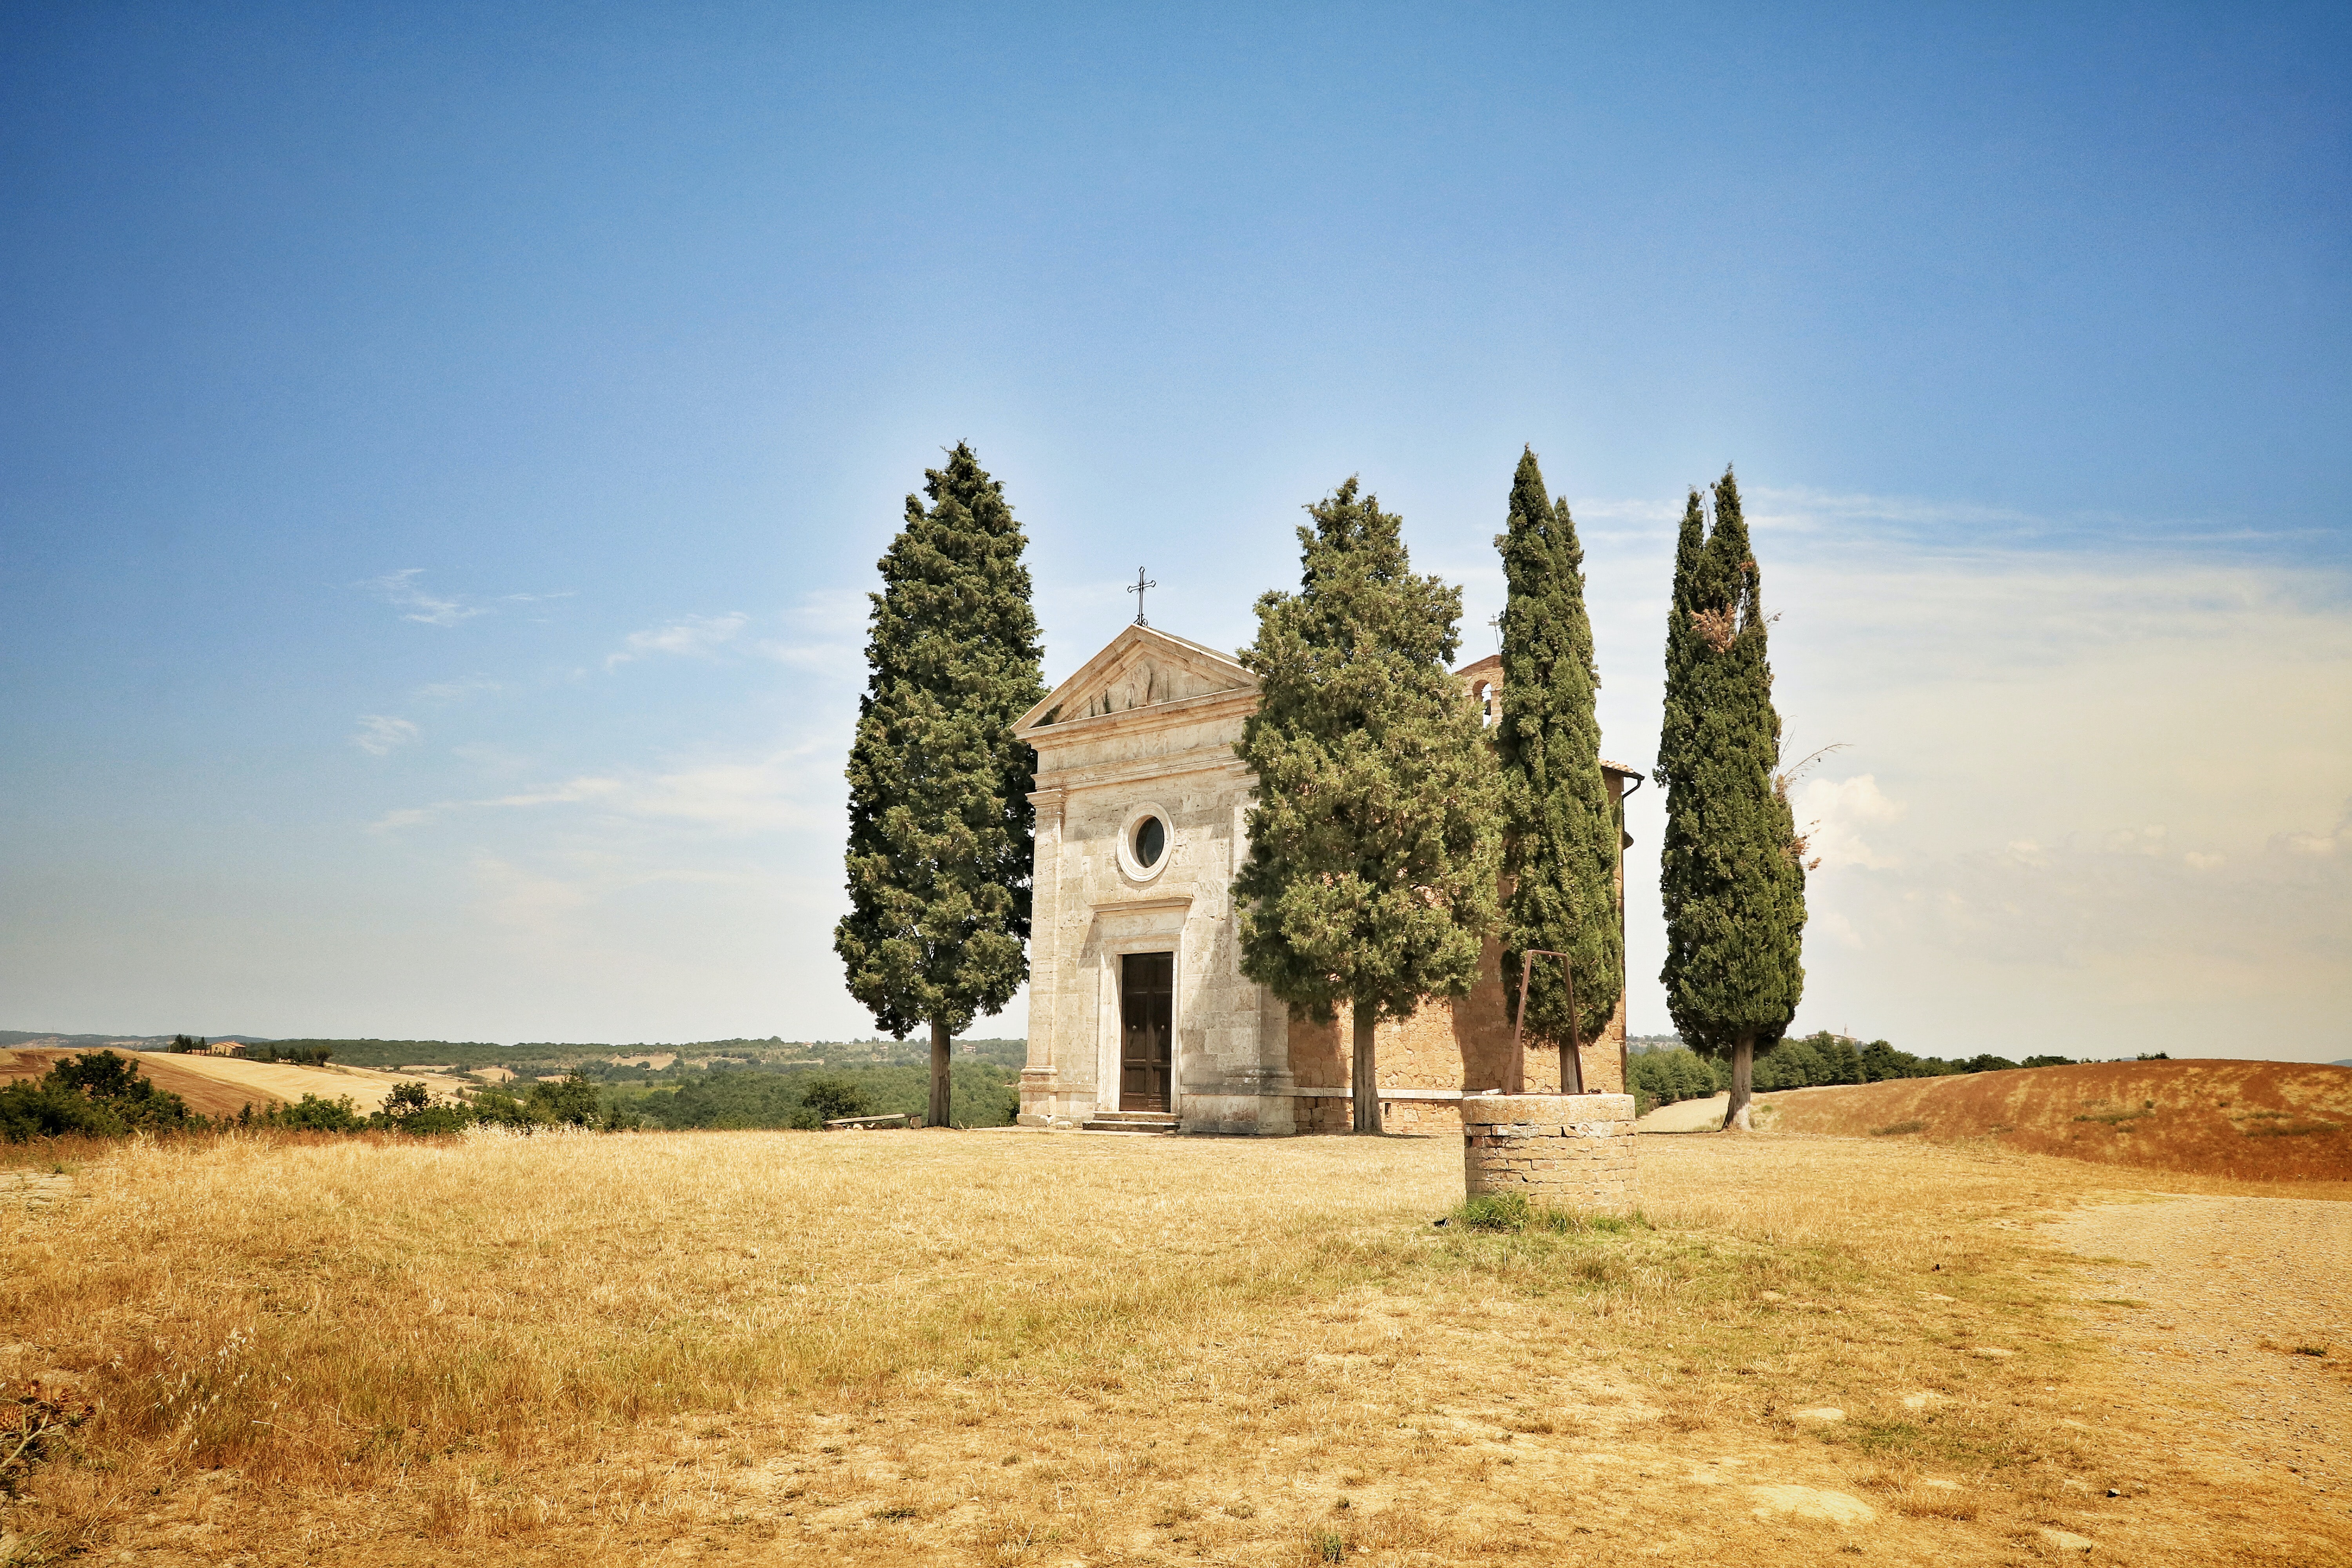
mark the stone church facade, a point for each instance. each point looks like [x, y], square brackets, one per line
[1138, 1007]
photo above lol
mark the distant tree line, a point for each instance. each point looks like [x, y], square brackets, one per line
[102, 1094]
[602, 1060]
[301, 1054]
[1660, 1076]
[981, 1093]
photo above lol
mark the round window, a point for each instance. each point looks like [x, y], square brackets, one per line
[1145, 844]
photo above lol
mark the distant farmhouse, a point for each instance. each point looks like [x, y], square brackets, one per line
[1139, 1012]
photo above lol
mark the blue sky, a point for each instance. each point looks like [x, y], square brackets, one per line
[442, 453]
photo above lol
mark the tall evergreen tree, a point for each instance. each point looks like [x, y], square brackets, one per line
[1733, 877]
[1373, 842]
[940, 828]
[1560, 835]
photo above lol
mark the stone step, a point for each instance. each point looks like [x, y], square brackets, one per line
[1158, 1122]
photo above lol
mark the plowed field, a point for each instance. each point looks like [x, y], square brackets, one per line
[2252, 1121]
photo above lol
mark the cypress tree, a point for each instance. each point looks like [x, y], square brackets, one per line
[940, 828]
[1560, 835]
[1732, 877]
[1373, 841]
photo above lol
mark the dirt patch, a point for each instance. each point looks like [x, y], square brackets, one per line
[34, 1192]
[2251, 1121]
[2236, 1311]
[1686, 1116]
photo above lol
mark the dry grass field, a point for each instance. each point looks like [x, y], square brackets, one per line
[1011, 1348]
[2259, 1121]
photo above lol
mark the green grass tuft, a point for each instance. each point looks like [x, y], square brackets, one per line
[1512, 1213]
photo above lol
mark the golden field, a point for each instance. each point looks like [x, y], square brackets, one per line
[1014, 1348]
[2257, 1120]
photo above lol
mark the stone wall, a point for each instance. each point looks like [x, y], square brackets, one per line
[1566, 1151]
[1148, 725]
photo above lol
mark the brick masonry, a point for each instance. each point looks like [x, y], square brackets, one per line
[1569, 1152]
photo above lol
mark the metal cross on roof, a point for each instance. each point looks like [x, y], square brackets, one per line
[1137, 588]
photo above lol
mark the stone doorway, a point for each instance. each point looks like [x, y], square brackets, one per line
[1146, 998]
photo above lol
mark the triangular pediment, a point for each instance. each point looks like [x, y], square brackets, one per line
[1140, 668]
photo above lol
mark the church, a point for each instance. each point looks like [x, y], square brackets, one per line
[1140, 1015]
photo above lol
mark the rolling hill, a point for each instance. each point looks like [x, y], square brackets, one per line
[222, 1085]
[2254, 1120]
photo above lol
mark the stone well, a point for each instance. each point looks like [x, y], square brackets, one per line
[1569, 1152]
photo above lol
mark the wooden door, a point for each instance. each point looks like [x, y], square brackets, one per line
[1147, 1006]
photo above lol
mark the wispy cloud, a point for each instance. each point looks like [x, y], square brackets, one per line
[697, 635]
[1798, 508]
[1797, 513]
[734, 797]
[571, 901]
[380, 734]
[760, 796]
[456, 690]
[402, 592]
[827, 635]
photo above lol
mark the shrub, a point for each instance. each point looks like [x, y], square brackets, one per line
[570, 1101]
[434, 1118]
[406, 1099]
[829, 1099]
[500, 1108]
[312, 1114]
[49, 1110]
[409, 1108]
[97, 1093]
